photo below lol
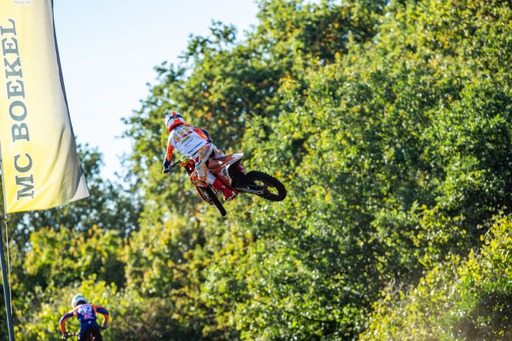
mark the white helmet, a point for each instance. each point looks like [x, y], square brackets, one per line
[77, 299]
[173, 119]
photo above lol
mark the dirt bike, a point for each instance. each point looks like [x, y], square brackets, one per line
[227, 170]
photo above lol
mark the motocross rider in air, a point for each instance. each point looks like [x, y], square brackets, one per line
[195, 143]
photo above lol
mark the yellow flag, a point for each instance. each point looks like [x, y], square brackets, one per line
[40, 166]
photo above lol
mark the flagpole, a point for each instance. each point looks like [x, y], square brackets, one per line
[5, 281]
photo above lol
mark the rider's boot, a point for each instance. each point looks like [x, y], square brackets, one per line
[226, 191]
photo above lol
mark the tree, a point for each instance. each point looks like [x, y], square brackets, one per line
[110, 206]
[387, 123]
[223, 85]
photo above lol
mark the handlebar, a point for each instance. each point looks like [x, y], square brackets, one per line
[102, 328]
[175, 163]
[68, 335]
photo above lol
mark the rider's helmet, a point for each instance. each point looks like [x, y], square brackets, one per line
[77, 300]
[173, 119]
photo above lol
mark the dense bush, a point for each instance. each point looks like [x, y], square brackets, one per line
[388, 122]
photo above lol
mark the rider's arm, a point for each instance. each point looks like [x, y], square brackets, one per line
[63, 319]
[168, 155]
[103, 311]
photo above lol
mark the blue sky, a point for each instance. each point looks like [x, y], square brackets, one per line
[108, 50]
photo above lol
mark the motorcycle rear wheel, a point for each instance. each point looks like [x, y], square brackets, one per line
[274, 190]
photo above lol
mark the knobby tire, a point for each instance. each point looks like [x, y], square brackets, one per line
[209, 196]
[277, 191]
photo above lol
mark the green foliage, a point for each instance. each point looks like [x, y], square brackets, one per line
[459, 299]
[388, 123]
[223, 85]
[392, 164]
[165, 264]
[110, 205]
[93, 254]
[43, 321]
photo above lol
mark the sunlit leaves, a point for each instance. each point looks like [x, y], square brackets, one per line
[388, 123]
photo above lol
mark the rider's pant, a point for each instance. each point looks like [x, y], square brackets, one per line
[93, 329]
[201, 157]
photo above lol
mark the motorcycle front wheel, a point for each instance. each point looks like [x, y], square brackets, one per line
[209, 196]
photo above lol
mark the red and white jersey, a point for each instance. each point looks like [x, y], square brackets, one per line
[186, 139]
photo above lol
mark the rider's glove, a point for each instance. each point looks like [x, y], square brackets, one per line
[167, 166]
[105, 326]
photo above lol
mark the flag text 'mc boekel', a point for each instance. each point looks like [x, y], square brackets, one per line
[17, 109]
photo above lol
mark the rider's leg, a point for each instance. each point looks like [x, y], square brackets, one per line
[216, 183]
[93, 330]
[210, 178]
[217, 153]
[226, 191]
[200, 159]
[96, 332]
[205, 176]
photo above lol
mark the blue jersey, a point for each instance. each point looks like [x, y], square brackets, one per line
[86, 314]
